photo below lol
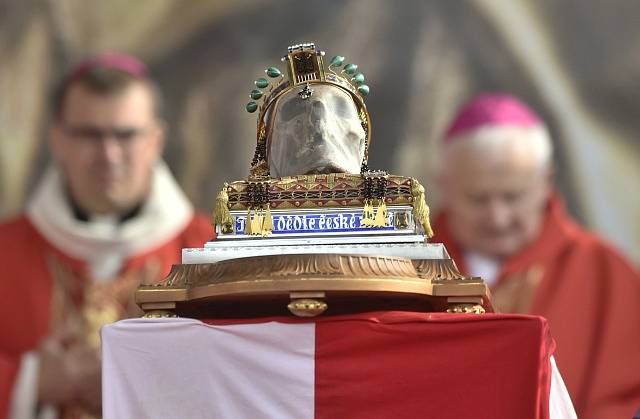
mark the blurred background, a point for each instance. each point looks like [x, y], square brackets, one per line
[577, 62]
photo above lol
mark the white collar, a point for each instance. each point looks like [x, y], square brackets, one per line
[106, 246]
[483, 266]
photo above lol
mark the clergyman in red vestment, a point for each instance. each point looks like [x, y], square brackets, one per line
[503, 220]
[106, 216]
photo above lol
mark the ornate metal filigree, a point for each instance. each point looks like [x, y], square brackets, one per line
[321, 191]
[466, 309]
[307, 307]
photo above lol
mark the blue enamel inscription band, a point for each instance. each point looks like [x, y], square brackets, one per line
[334, 222]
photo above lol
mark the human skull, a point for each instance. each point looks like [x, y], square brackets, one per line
[319, 134]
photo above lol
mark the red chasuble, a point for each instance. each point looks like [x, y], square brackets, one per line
[40, 287]
[591, 297]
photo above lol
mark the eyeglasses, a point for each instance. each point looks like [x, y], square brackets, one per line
[87, 135]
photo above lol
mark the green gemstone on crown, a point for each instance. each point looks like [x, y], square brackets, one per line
[358, 79]
[261, 83]
[336, 61]
[363, 89]
[273, 72]
[251, 107]
[350, 69]
[256, 94]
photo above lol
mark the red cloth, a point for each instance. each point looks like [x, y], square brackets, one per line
[408, 365]
[26, 285]
[591, 297]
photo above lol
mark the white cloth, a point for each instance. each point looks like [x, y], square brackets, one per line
[105, 244]
[482, 266]
[168, 368]
[25, 391]
[560, 405]
[183, 368]
[26, 386]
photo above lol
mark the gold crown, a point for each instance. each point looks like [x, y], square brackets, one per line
[305, 66]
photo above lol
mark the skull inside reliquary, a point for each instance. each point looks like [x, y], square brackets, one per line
[316, 133]
[313, 120]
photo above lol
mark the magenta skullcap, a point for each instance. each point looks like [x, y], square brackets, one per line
[113, 60]
[491, 109]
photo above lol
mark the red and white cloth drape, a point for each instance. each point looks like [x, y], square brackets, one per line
[370, 365]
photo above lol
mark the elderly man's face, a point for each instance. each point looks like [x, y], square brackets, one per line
[106, 146]
[321, 134]
[496, 201]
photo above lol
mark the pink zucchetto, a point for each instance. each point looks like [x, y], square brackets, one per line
[495, 123]
[116, 61]
[491, 109]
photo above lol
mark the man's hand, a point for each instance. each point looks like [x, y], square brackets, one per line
[69, 372]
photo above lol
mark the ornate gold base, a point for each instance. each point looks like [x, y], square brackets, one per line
[311, 284]
[466, 308]
[155, 314]
[307, 307]
[307, 304]
[160, 309]
[469, 305]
